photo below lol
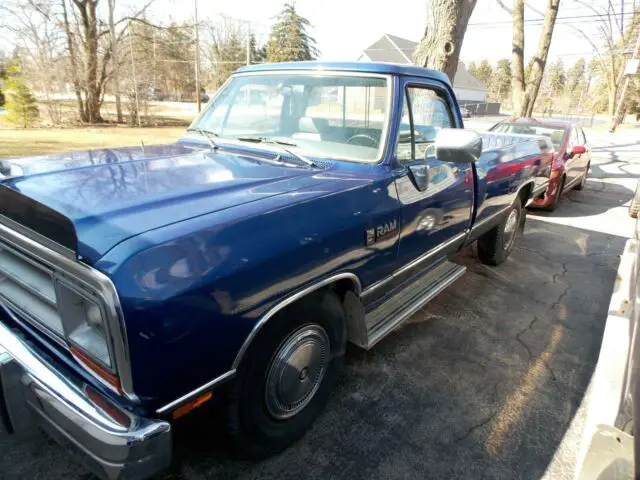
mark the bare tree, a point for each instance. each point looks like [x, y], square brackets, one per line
[90, 55]
[443, 36]
[525, 88]
[33, 25]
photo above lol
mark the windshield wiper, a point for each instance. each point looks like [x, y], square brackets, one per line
[283, 146]
[208, 134]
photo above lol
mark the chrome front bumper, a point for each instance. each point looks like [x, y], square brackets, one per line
[110, 441]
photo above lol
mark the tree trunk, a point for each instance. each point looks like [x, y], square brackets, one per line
[114, 59]
[444, 33]
[524, 96]
[90, 26]
[618, 115]
[74, 63]
[518, 85]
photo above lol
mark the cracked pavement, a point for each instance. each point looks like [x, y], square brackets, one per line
[487, 381]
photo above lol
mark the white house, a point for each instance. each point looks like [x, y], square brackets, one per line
[400, 50]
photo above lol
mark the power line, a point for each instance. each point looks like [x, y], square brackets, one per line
[558, 19]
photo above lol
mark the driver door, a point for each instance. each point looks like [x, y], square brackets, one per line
[435, 215]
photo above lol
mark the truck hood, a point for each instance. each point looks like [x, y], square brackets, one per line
[105, 196]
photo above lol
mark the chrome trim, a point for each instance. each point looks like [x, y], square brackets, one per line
[185, 398]
[92, 280]
[384, 141]
[405, 314]
[41, 239]
[493, 216]
[113, 442]
[288, 301]
[414, 263]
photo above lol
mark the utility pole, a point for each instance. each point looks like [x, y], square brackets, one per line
[248, 43]
[195, 2]
[622, 108]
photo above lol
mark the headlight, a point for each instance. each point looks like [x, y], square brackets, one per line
[83, 322]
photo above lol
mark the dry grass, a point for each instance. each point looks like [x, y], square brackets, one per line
[26, 142]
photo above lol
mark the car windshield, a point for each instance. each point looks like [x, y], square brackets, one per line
[327, 115]
[555, 134]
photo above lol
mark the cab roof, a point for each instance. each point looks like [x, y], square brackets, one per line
[360, 67]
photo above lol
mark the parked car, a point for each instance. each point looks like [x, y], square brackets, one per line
[236, 264]
[571, 161]
[634, 206]
[465, 112]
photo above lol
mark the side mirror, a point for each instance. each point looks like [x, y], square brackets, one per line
[578, 150]
[458, 145]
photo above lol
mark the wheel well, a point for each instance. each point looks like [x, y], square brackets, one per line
[525, 193]
[341, 284]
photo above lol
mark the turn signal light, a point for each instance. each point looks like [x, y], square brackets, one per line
[103, 374]
[186, 408]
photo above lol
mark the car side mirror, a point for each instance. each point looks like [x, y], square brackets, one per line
[578, 150]
[458, 145]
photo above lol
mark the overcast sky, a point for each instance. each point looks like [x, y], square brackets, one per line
[343, 28]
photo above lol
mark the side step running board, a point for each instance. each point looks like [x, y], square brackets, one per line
[389, 315]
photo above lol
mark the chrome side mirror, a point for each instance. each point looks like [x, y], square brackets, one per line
[458, 145]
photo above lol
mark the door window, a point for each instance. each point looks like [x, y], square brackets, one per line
[424, 113]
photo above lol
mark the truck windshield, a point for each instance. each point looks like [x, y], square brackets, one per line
[315, 113]
[555, 134]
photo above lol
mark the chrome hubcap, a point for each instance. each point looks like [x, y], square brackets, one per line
[510, 228]
[296, 371]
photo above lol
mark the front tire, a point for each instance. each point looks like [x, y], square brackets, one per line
[285, 379]
[495, 246]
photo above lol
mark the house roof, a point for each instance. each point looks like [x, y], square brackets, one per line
[390, 48]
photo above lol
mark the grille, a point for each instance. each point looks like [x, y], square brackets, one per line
[27, 287]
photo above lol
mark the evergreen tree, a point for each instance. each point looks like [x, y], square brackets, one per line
[289, 40]
[258, 54]
[230, 52]
[472, 68]
[501, 81]
[576, 78]
[484, 72]
[21, 105]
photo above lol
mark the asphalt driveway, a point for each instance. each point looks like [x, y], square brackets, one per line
[487, 381]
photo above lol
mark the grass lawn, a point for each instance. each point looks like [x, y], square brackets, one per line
[41, 141]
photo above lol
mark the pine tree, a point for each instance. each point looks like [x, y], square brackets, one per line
[289, 40]
[501, 81]
[484, 72]
[258, 54]
[576, 79]
[21, 105]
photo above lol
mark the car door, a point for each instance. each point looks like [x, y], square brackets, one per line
[434, 217]
[586, 156]
[573, 163]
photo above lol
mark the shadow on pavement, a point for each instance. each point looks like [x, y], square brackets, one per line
[482, 383]
[596, 198]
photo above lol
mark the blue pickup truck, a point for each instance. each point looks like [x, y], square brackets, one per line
[309, 205]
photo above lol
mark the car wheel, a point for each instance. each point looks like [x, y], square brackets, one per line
[495, 246]
[583, 182]
[285, 378]
[634, 207]
[556, 200]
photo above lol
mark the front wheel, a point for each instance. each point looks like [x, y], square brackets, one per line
[284, 381]
[495, 246]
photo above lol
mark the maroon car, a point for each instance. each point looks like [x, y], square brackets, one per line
[571, 159]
